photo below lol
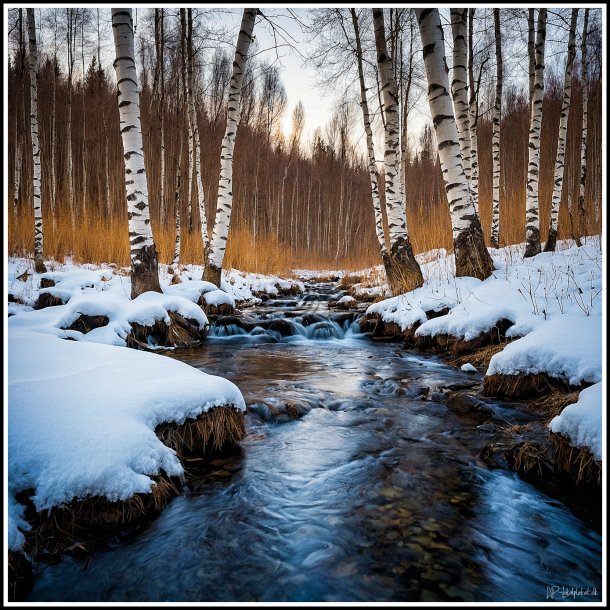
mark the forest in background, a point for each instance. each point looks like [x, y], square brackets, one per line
[296, 202]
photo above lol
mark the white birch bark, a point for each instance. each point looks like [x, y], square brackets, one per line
[532, 212]
[370, 146]
[459, 84]
[471, 255]
[144, 267]
[473, 115]
[405, 273]
[176, 260]
[531, 51]
[19, 123]
[218, 243]
[194, 132]
[17, 177]
[495, 139]
[583, 148]
[33, 64]
[563, 130]
[188, 181]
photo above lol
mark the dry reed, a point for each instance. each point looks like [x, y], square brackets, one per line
[210, 432]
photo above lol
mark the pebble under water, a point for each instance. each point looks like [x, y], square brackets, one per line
[355, 482]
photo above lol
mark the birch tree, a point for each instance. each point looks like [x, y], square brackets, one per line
[495, 141]
[531, 51]
[19, 121]
[159, 48]
[372, 165]
[561, 143]
[532, 213]
[473, 116]
[144, 266]
[218, 243]
[459, 84]
[194, 133]
[583, 148]
[33, 65]
[189, 164]
[405, 273]
[471, 255]
[177, 193]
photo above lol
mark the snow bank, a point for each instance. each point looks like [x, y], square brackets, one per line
[582, 421]
[82, 413]
[568, 348]
[81, 416]
[553, 300]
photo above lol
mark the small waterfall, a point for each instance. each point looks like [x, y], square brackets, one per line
[226, 330]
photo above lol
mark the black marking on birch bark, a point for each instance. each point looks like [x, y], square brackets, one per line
[424, 13]
[123, 58]
[447, 144]
[428, 49]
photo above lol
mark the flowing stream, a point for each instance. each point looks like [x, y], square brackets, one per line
[355, 482]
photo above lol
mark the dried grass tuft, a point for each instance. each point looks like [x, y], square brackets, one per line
[180, 332]
[480, 357]
[577, 462]
[212, 431]
[523, 386]
[554, 402]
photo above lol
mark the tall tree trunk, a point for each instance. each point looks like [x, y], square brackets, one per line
[19, 121]
[188, 182]
[218, 243]
[459, 85]
[162, 112]
[17, 181]
[106, 172]
[473, 118]
[405, 273]
[495, 141]
[531, 51]
[33, 61]
[194, 131]
[583, 150]
[471, 255]
[84, 145]
[144, 266]
[563, 130]
[71, 203]
[54, 124]
[532, 211]
[178, 190]
[371, 151]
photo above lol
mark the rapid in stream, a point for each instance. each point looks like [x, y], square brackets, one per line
[355, 482]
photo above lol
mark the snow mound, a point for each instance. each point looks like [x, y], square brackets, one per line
[568, 347]
[582, 421]
[81, 416]
[123, 312]
[218, 297]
